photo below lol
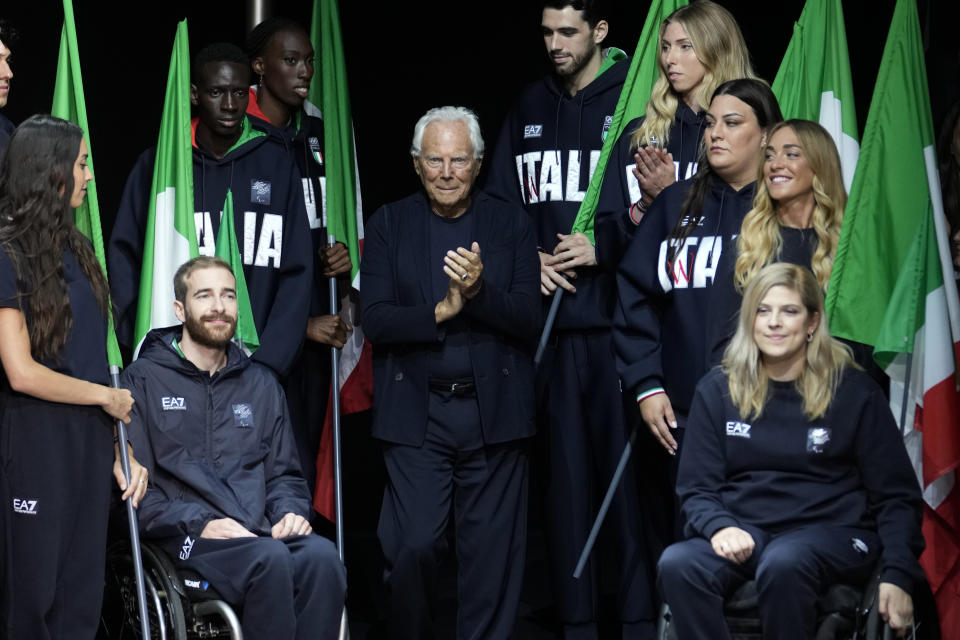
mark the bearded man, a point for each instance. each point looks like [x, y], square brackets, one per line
[228, 499]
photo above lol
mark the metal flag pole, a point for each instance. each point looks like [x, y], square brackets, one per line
[335, 411]
[906, 395]
[548, 326]
[131, 515]
[605, 506]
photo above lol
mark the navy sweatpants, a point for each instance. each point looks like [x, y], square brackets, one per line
[485, 486]
[585, 427]
[292, 588]
[791, 570]
[57, 459]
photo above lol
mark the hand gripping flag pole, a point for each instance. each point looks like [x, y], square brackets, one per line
[69, 104]
[131, 516]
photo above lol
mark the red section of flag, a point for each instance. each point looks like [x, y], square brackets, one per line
[356, 394]
[941, 561]
[939, 420]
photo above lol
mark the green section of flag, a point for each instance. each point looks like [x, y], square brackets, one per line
[881, 274]
[331, 93]
[69, 104]
[229, 250]
[170, 238]
[814, 81]
[817, 61]
[632, 103]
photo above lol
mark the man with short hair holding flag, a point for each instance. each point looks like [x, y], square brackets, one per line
[196, 167]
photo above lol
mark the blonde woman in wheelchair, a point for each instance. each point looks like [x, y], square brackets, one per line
[793, 473]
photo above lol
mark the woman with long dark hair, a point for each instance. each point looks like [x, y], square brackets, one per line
[664, 282]
[56, 405]
[793, 472]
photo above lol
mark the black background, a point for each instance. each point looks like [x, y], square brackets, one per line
[402, 58]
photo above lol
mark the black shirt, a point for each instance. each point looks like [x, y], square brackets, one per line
[84, 355]
[451, 361]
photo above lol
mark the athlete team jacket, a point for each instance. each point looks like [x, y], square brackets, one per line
[620, 187]
[544, 157]
[271, 228]
[216, 446]
[781, 471]
[662, 319]
[302, 138]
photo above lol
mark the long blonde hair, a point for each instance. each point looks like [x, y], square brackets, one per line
[825, 356]
[759, 242]
[719, 46]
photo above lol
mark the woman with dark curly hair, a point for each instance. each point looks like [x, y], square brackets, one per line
[56, 405]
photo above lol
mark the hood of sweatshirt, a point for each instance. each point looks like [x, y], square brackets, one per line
[161, 346]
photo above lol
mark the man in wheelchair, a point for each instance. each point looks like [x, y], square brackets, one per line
[227, 498]
[792, 472]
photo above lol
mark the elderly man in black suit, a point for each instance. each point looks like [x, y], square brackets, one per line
[451, 305]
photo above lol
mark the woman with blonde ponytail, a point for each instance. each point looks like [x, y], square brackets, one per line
[701, 47]
[793, 473]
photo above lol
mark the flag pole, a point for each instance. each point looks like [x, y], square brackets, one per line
[548, 326]
[131, 515]
[335, 412]
[906, 395]
[607, 499]
[335, 398]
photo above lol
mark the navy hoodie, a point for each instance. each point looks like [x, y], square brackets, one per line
[216, 446]
[781, 471]
[271, 228]
[620, 187]
[663, 317]
[544, 157]
[302, 138]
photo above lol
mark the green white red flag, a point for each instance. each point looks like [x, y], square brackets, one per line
[228, 250]
[892, 287]
[171, 238]
[343, 218]
[814, 81]
[69, 104]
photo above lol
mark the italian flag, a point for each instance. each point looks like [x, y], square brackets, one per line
[892, 287]
[814, 81]
[642, 74]
[228, 249]
[171, 237]
[343, 218]
[69, 104]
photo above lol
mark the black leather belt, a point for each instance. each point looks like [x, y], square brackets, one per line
[464, 387]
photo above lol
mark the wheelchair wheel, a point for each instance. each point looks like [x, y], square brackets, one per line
[121, 615]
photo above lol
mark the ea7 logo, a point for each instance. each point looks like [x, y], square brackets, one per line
[738, 429]
[173, 403]
[186, 548]
[26, 507]
[532, 131]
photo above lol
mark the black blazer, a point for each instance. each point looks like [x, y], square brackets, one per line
[398, 318]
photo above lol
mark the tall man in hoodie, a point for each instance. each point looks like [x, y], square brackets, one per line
[227, 498]
[269, 213]
[546, 152]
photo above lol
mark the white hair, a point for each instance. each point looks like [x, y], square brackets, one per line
[449, 114]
